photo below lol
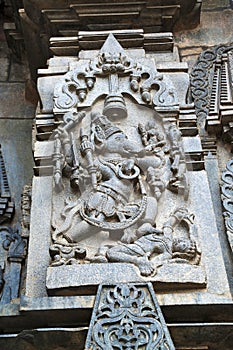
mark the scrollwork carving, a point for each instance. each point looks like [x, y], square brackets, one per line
[210, 87]
[127, 316]
[112, 62]
[227, 200]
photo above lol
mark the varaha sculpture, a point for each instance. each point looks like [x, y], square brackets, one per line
[114, 162]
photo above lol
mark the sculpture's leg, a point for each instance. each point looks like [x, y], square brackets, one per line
[123, 254]
[82, 230]
[151, 211]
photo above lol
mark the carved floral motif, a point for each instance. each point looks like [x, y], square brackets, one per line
[127, 317]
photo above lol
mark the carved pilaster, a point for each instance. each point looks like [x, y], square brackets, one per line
[212, 91]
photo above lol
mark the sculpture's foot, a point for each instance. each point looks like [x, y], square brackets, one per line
[99, 259]
[128, 237]
[62, 241]
[145, 266]
[146, 229]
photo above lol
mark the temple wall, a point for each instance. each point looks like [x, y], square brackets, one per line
[56, 310]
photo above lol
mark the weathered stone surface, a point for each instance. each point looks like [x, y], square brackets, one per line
[4, 62]
[187, 310]
[212, 256]
[38, 256]
[12, 102]
[18, 71]
[215, 4]
[90, 276]
[16, 145]
[214, 30]
[38, 339]
[137, 25]
[214, 164]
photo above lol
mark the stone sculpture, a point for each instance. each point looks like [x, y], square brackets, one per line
[114, 165]
[118, 188]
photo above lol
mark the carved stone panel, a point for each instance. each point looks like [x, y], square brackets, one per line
[119, 182]
[112, 167]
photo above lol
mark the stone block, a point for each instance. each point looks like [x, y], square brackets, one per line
[18, 72]
[65, 280]
[214, 29]
[12, 102]
[38, 256]
[192, 144]
[4, 64]
[15, 138]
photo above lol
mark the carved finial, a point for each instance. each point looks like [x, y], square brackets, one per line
[111, 45]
